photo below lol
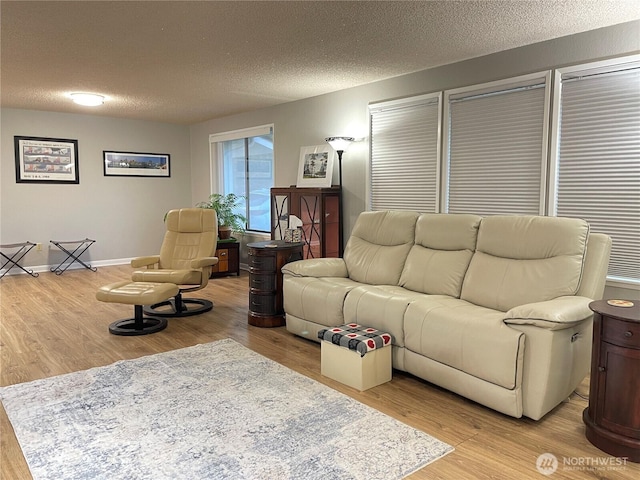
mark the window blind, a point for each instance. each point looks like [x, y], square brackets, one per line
[598, 160]
[404, 155]
[495, 150]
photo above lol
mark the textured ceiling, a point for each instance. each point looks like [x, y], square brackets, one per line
[186, 61]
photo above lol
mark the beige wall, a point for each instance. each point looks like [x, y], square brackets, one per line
[123, 214]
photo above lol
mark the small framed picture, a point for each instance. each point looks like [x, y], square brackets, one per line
[316, 166]
[46, 160]
[135, 164]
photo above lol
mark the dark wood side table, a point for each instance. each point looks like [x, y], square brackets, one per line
[612, 418]
[228, 253]
[265, 280]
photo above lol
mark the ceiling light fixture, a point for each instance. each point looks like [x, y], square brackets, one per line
[87, 99]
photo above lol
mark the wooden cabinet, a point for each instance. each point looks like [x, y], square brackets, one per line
[265, 280]
[612, 418]
[228, 253]
[320, 210]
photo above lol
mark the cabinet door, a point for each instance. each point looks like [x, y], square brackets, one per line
[332, 226]
[619, 385]
[280, 210]
[311, 215]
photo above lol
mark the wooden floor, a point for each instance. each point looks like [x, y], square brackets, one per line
[53, 325]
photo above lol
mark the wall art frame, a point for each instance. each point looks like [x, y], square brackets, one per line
[136, 164]
[316, 166]
[46, 160]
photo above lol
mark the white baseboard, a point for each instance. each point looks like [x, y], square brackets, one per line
[77, 266]
[74, 266]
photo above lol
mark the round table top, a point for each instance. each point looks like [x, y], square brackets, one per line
[274, 244]
[614, 308]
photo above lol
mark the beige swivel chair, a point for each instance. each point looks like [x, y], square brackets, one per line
[186, 258]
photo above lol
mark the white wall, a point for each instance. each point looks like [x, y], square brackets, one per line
[308, 122]
[123, 214]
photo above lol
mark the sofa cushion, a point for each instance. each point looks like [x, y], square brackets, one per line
[318, 300]
[382, 307]
[440, 257]
[379, 245]
[466, 337]
[525, 259]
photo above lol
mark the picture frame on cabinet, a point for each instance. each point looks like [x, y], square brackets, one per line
[136, 164]
[316, 166]
[46, 160]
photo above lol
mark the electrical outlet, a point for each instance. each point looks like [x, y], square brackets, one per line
[38, 247]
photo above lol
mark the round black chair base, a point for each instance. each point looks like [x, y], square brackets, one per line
[179, 307]
[138, 325]
[132, 326]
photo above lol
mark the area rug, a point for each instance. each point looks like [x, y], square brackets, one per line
[212, 411]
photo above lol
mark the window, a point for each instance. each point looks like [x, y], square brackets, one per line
[495, 147]
[243, 160]
[596, 156]
[405, 139]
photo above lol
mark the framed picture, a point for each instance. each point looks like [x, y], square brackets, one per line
[46, 160]
[316, 166]
[134, 164]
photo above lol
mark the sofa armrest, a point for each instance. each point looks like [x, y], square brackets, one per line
[145, 261]
[556, 314]
[204, 262]
[317, 267]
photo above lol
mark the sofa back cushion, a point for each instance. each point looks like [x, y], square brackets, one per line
[525, 259]
[379, 245]
[438, 261]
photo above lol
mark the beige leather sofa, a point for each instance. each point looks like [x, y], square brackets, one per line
[494, 309]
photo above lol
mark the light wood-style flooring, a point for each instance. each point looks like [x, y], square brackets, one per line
[53, 325]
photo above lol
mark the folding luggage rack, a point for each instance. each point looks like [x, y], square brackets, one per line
[81, 247]
[23, 249]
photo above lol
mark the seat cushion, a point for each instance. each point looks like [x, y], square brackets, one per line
[136, 293]
[380, 306]
[317, 300]
[466, 337]
[178, 277]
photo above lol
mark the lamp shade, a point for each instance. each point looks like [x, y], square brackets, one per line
[339, 144]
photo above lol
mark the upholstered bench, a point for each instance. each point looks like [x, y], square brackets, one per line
[137, 294]
[356, 355]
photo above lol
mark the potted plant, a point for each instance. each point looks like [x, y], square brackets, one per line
[226, 206]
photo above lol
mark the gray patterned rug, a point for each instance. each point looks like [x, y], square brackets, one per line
[213, 411]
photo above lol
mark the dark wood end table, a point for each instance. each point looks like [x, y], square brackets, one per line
[612, 418]
[228, 253]
[265, 280]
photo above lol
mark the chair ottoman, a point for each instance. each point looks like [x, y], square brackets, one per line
[137, 294]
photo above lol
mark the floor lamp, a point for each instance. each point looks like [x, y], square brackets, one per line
[340, 144]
